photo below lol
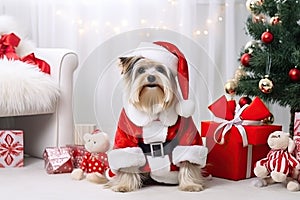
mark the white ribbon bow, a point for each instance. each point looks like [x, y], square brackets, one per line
[237, 122]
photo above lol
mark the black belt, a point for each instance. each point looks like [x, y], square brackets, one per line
[158, 149]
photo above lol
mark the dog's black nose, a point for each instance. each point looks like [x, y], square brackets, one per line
[151, 78]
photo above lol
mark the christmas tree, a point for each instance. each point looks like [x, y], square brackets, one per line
[270, 63]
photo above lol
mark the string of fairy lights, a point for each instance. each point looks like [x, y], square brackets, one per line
[110, 27]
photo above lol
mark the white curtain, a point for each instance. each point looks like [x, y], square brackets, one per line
[210, 33]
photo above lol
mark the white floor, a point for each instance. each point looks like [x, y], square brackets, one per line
[32, 182]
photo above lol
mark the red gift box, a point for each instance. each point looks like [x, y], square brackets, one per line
[58, 160]
[297, 124]
[233, 147]
[11, 148]
[297, 135]
[77, 152]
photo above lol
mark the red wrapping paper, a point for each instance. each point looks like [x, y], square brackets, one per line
[226, 109]
[58, 160]
[77, 152]
[11, 148]
[230, 159]
[297, 135]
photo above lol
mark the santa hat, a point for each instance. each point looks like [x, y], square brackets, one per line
[173, 58]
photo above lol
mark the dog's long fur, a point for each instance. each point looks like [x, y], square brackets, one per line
[150, 87]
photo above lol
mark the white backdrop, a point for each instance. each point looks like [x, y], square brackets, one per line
[210, 33]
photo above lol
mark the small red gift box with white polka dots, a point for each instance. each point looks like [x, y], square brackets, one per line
[58, 160]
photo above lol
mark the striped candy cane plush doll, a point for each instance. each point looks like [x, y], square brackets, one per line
[279, 163]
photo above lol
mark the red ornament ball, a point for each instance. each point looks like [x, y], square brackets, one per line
[294, 75]
[245, 59]
[267, 37]
[244, 100]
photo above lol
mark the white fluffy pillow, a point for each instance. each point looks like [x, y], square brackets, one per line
[25, 90]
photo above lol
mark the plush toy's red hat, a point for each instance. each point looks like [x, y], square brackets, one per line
[173, 58]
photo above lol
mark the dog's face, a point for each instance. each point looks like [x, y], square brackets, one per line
[150, 85]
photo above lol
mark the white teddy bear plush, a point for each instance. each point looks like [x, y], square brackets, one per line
[94, 164]
[279, 165]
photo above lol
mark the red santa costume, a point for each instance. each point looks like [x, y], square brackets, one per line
[158, 143]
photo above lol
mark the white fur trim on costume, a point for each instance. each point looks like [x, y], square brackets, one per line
[155, 132]
[126, 158]
[167, 117]
[160, 170]
[25, 89]
[109, 174]
[157, 53]
[195, 154]
[185, 108]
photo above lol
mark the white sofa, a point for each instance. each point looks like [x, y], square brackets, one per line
[56, 128]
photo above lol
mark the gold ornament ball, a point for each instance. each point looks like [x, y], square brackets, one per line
[239, 73]
[251, 3]
[266, 85]
[260, 18]
[230, 87]
[269, 120]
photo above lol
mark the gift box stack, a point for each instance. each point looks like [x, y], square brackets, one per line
[63, 159]
[238, 140]
[11, 148]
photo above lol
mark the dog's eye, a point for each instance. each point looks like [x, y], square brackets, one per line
[161, 69]
[141, 70]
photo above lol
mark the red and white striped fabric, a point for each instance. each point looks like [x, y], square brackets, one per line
[279, 161]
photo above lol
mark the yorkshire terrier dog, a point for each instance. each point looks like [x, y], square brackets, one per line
[153, 142]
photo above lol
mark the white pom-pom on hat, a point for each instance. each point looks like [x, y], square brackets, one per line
[185, 108]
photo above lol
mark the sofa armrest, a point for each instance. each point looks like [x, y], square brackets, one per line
[63, 63]
[57, 58]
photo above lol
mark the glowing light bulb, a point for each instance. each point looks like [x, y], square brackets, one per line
[197, 32]
[81, 31]
[143, 21]
[208, 21]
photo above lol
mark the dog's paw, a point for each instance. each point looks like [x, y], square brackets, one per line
[121, 188]
[191, 188]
